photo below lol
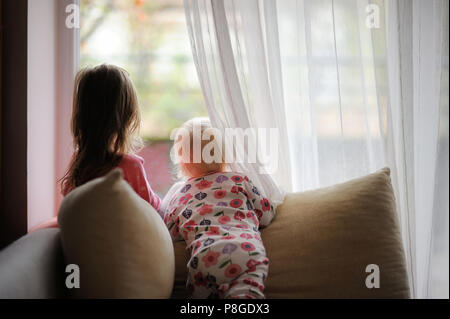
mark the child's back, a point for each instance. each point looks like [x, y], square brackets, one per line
[105, 127]
[218, 213]
[134, 173]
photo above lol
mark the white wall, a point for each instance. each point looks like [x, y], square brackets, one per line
[52, 52]
[41, 110]
[67, 55]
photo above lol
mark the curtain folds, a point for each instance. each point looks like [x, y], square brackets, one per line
[418, 136]
[219, 49]
[351, 86]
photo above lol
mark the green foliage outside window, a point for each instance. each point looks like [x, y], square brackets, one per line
[149, 39]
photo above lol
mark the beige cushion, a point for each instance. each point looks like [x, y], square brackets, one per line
[322, 240]
[118, 240]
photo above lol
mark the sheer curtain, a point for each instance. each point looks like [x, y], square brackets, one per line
[417, 52]
[352, 86]
[219, 54]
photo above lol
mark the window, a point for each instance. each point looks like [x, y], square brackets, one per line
[331, 75]
[150, 40]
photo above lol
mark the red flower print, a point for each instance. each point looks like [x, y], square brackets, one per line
[168, 216]
[190, 225]
[184, 199]
[241, 226]
[199, 279]
[261, 288]
[236, 203]
[232, 270]
[246, 178]
[224, 219]
[258, 213]
[205, 209]
[203, 184]
[237, 179]
[247, 246]
[236, 189]
[220, 193]
[251, 215]
[228, 237]
[251, 265]
[265, 204]
[246, 236]
[250, 282]
[211, 258]
[213, 230]
[239, 215]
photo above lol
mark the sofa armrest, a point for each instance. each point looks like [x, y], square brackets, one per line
[33, 267]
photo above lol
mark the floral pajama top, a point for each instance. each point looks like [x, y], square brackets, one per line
[219, 216]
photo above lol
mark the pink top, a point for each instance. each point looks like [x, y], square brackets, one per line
[134, 173]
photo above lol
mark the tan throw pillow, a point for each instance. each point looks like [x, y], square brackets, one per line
[119, 242]
[321, 242]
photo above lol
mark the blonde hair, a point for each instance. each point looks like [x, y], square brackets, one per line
[187, 168]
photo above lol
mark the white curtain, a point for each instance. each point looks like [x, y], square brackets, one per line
[352, 86]
[225, 83]
[417, 47]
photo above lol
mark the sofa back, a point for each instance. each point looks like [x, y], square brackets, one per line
[33, 267]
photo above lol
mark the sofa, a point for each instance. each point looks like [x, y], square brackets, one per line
[336, 242]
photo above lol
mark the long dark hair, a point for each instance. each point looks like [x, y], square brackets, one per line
[105, 123]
